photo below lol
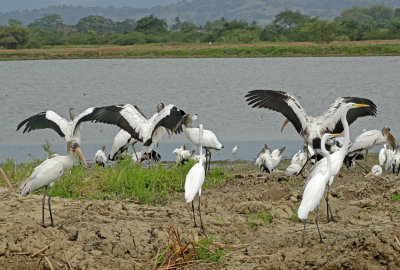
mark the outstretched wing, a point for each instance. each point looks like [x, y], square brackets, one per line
[171, 118]
[125, 116]
[331, 117]
[279, 101]
[47, 119]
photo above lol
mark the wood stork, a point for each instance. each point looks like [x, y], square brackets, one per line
[368, 139]
[268, 161]
[338, 157]
[69, 130]
[100, 156]
[297, 162]
[209, 139]
[310, 128]
[5, 178]
[314, 188]
[195, 179]
[142, 156]
[234, 150]
[128, 117]
[375, 171]
[121, 143]
[50, 171]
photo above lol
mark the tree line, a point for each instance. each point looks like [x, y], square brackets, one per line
[357, 23]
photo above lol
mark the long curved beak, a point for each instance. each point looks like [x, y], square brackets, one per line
[79, 153]
[335, 134]
[368, 174]
[4, 176]
[179, 124]
[361, 105]
[284, 124]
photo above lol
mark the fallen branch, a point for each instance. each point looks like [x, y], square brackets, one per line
[39, 251]
[397, 239]
[69, 265]
[48, 261]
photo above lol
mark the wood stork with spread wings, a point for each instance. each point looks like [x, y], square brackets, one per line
[50, 171]
[315, 187]
[309, 127]
[69, 130]
[209, 139]
[368, 139]
[128, 117]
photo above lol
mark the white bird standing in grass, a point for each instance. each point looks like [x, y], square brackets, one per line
[234, 150]
[182, 154]
[100, 156]
[50, 171]
[314, 189]
[195, 180]
[208, 140]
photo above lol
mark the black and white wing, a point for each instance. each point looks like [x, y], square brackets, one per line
[279, 101]
[125, 116]
[169, 118]
[331, 117]
[47, 119]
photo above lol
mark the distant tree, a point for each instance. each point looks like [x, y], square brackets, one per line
[98, 24]
[151, 25]
[125, 25]
[319, 31]
[14, 22]
[176, 26]
[46, 21]
[13, 37]
[396, 13]
[289, 19]
[187, 27]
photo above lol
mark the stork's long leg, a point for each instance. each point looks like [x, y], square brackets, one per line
[316, 222]
[308, 159]
[43, 200]
[134, 150]
[304, 230]
[209, 161]
[201, 221]
[194, 217]
[205, 167]
[366, 164]
[49, 203]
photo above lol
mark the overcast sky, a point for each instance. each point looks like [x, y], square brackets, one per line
[11, 5]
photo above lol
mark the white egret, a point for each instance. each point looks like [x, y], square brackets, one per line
[234, 150]
[50, 171]
[338, 157]
[195, 179]
[100, 156]
[314, 188]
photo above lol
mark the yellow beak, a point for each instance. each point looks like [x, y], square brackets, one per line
[284, 124]
[335, 134]
[79, 153]
[360, 105]
[4, 176]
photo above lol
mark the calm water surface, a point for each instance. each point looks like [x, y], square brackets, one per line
[213, 88]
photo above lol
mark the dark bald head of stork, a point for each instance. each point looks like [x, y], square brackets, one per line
[160, 106]
[72, 114]
[390, 137]
[73, 147]
[188, 120]
[103, 148]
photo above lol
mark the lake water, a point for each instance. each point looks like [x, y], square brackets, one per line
[212, 88]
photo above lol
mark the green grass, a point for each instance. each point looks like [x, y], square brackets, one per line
[125, 180]
[294, 216]
[205, 253]
[259, 218]
[396, 196]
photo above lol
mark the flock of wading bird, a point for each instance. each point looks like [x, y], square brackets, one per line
[320, 132]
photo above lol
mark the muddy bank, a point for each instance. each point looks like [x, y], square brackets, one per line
[124, 234]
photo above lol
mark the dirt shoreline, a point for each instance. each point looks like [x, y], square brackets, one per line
[91, 234]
